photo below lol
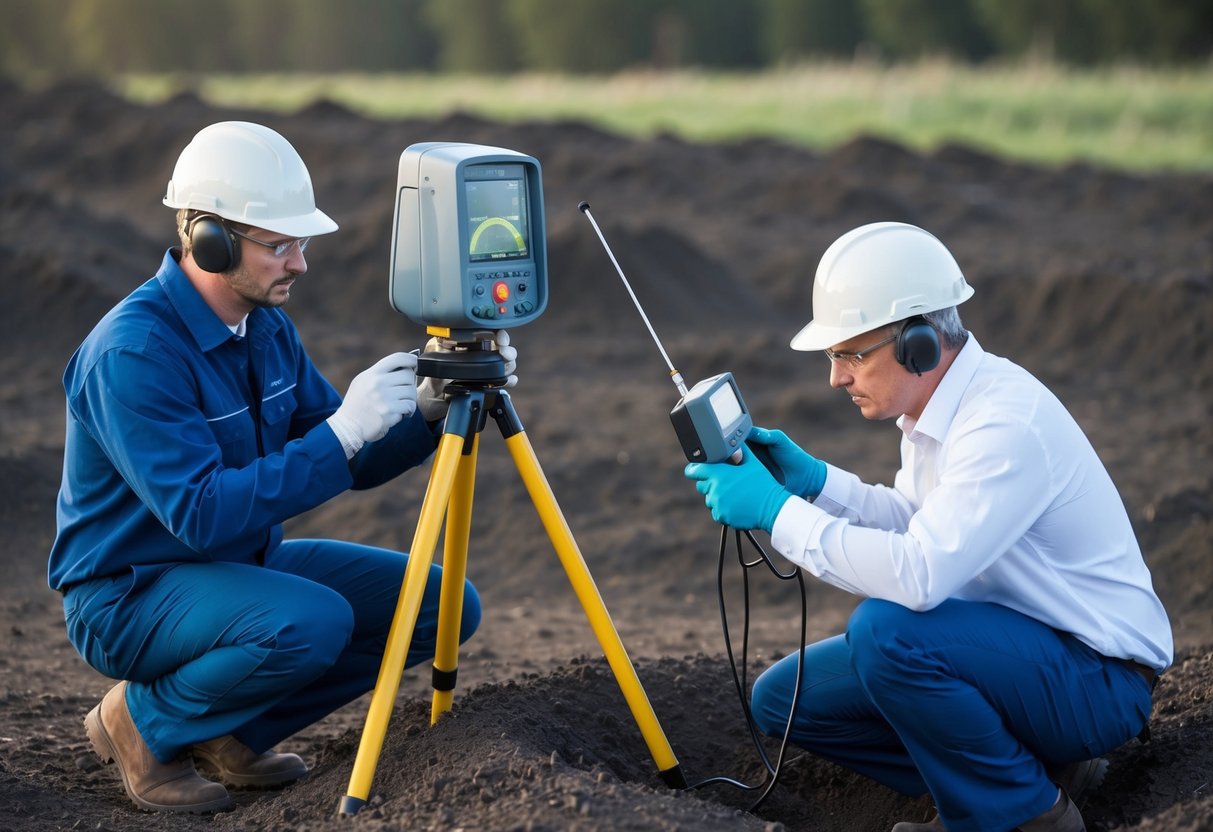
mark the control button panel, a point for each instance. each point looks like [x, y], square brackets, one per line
[497, 294]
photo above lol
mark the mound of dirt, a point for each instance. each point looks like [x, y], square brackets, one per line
[1099, 282]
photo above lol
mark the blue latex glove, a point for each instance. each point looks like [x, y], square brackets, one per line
[743, 496]
[803, 475]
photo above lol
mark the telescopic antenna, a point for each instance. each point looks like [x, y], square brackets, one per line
[676, 376]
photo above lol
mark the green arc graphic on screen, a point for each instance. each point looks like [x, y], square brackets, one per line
[496, 221]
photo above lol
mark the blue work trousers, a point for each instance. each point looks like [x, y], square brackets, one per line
[257, 651]
[969, 701]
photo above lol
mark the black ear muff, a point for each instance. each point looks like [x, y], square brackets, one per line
[918, 347]
[214, 246]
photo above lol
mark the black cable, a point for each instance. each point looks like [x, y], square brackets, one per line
[739, 680]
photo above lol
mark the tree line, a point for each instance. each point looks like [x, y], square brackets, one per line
[102, 37]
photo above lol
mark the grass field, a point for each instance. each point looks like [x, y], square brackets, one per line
[1126, 117]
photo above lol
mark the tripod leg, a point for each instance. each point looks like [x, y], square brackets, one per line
[454, 571]
[421, 556]
[591, 601]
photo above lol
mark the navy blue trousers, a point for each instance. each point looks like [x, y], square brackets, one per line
[259, 652]
[967, 701]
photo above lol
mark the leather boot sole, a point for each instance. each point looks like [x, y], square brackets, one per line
[103, 745]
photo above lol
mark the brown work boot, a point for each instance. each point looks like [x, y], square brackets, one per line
[151, 784]
[236, 764]
[1063, 817]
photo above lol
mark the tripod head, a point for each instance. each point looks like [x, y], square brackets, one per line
[474, 364]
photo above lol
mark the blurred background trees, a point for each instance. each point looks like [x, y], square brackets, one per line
[57, 38]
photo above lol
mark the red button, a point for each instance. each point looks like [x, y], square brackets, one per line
[501, 291]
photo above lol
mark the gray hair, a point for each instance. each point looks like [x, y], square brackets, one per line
[184, 215]
[952, 333]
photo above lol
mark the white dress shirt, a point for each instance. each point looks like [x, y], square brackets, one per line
[1000, 498]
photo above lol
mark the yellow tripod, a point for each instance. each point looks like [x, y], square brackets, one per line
[449, 492]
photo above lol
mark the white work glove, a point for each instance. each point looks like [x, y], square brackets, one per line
[431, 400]
[510, 354]
[377, 400]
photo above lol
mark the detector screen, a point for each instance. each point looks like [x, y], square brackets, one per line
[725, 406]
[497, 219]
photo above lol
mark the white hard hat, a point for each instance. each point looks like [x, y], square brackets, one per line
[876, 275]
[249, 174]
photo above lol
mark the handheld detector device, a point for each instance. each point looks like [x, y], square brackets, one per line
[712, 422]
[469, 249]
[711, 419]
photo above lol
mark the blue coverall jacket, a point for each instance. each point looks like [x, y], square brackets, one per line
[168, 456]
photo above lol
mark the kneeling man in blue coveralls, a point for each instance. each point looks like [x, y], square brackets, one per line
[196, 425]
[1010, 633]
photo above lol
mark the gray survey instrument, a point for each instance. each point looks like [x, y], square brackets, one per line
[454, 197]
[469, 249]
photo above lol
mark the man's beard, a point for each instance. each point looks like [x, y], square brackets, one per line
[249, 290]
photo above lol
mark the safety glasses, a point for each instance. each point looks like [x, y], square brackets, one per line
[280, 249]
[854, 360]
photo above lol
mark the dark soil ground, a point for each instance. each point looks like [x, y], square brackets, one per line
[1099, 282]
